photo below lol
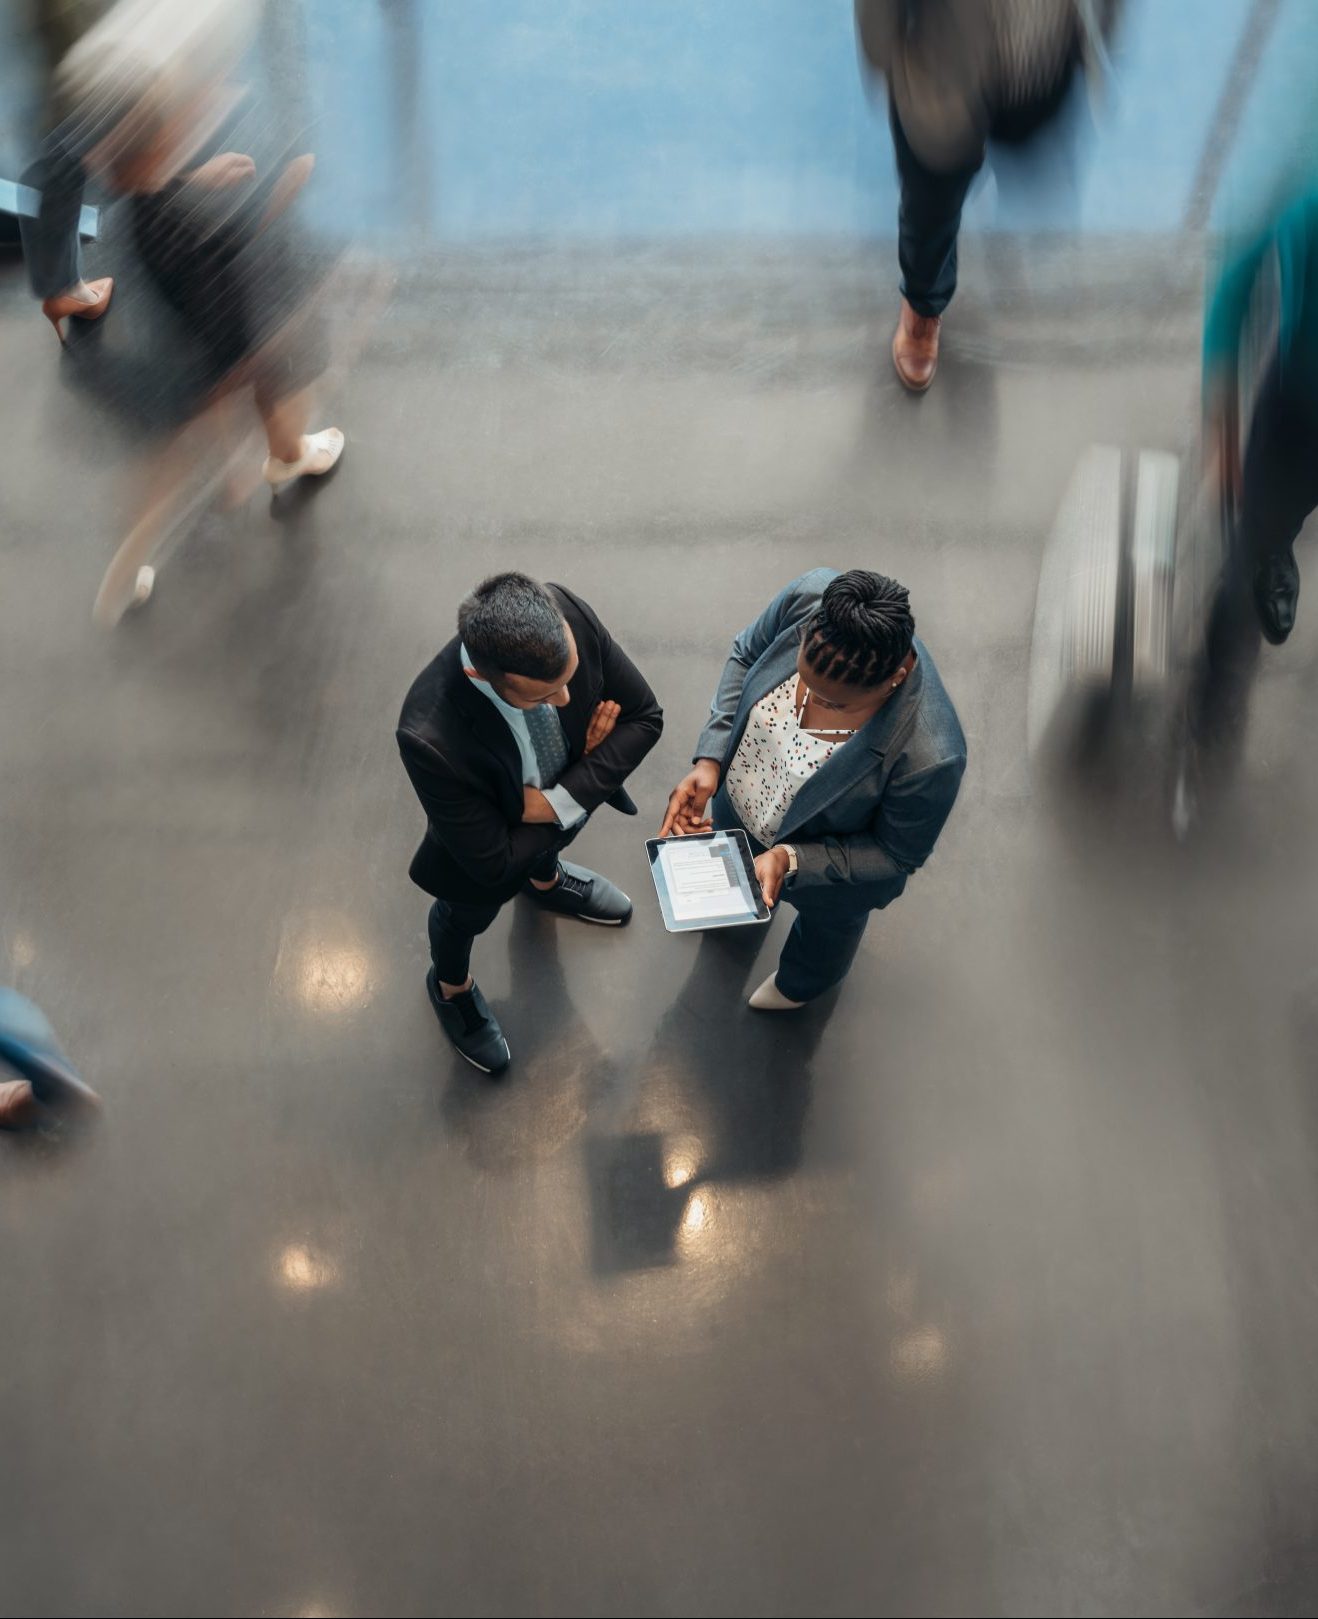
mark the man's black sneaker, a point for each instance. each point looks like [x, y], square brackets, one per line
[1277, 594]
[584, 894]
[471, 1026]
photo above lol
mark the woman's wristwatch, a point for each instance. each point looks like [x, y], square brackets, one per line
[791, 861]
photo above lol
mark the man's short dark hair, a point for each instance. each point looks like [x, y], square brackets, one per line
[511, 625]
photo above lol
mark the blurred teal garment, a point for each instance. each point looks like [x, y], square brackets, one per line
[29, 1048]
[1294, 238]
[23, 1025]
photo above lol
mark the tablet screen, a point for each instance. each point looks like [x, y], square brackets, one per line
[706, 881]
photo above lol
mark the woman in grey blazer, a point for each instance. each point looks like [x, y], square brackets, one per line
[832, 743]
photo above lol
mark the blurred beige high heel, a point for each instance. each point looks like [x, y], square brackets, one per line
[69, 306]
[320, 452]
[116, 597]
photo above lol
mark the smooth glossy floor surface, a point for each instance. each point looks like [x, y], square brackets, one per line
[989, 1287]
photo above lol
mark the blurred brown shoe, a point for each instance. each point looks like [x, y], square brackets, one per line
[19, 1108]
[915, 348]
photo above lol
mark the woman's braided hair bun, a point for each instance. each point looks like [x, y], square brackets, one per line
[861, 630]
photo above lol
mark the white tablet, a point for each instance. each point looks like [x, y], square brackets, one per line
[706, 880]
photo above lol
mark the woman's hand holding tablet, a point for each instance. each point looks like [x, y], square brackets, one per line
[706, 880]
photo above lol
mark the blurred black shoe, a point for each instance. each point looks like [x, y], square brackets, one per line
[471, 1026]
[585, 895]
[1276, 592]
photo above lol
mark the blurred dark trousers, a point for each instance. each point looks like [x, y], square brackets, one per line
[927, 224]
[1279, 490]
[50, 241]
[455, 925]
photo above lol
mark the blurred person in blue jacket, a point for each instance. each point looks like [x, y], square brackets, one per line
[1272, 494]
[1278, 485]
[35, 1077]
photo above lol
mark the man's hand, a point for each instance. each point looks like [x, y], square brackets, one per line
[225, 170]
[286, 187]
[601, 724]
[536, 807]
[771, 869]
[687, 801]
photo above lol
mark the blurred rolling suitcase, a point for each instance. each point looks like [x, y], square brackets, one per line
[1104, 644]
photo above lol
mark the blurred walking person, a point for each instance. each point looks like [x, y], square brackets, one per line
[209, 235]
[45, 1084]
[960, 73]
[1270, 496]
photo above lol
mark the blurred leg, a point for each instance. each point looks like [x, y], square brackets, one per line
[162, 482]
[294, 454]
[51, 246]
[1219, 697]
[928, 222]
[1280, 489]
[285, 422]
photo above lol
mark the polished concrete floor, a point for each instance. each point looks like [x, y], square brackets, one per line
[989, 1288]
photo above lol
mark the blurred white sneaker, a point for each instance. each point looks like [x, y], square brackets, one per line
[769, 998]
[320, 451]
[114, 598]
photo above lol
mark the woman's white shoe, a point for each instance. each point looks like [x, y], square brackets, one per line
[113, 600]
[769, 998]
[320, 451]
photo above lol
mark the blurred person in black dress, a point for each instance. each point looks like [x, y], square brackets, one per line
[221, 255]
[99, 56]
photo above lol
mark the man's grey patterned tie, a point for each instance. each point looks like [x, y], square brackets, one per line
[548, 741]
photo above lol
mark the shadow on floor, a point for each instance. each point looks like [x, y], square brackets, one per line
[736, 1086]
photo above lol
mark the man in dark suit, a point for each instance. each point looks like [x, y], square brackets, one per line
[527, 721]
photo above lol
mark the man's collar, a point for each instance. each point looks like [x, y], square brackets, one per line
[483, 686]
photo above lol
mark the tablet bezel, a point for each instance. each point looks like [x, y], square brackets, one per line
[705, 924]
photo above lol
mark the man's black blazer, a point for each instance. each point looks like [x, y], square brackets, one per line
[467, 772]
